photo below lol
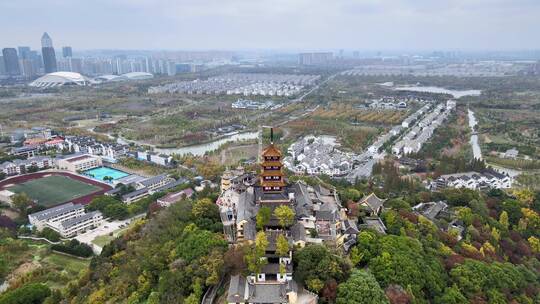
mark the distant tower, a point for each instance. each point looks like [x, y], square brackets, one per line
[11, 61]
[47, 51]
[67, 52]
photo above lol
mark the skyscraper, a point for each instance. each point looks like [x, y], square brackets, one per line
[24, 52]
[2, 66]
[67, 52]
[11, 61]
[47, 50]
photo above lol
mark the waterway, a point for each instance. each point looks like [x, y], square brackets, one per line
[477, 153]
[201, 149]
[439, 90]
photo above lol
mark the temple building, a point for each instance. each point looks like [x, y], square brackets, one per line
[317, 217]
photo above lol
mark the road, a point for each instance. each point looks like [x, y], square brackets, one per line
[477, 153]
[315, 88]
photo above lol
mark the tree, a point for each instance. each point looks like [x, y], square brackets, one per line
[503, 219]
[21, 201]
[360, 288]
[317, 262]
[116, 211]
[402, 260]
[282, 246]
[525, 196]
[451, 295]
[254, 256]
[285, 215]
[263, 217]
[534, 242]
[205, 208]
[28, 294]
[50, 234]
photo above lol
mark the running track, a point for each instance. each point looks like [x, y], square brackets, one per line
[81, 200]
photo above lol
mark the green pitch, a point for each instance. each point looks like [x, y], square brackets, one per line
[54, 190]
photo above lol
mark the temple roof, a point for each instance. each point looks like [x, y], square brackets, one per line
[271, 150]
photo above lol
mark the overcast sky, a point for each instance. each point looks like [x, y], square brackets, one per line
[274, 24]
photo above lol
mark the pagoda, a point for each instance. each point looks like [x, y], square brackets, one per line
[272, 177]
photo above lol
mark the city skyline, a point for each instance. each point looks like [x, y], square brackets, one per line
[278, 25]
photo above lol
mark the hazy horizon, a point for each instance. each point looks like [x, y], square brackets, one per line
[280, 25]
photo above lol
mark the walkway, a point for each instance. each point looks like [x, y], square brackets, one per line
[477, 153]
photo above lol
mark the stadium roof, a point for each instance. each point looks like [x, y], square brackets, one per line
[109, 78]
[57, 79]
[137, 75]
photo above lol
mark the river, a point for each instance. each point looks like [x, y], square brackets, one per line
[477, 153]
[439, 90]
[201, 149]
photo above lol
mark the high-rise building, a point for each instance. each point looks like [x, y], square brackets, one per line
[24, 52]
[315, 58]
[67, 51]
[46, 40]
[2, 66]
[47, 51]
[11, 61]
[27, 68]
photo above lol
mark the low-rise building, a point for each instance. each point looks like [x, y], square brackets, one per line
[21, 166]
[78, 162]
[56, 214]
[172, 198]
[474, 180]
[155, 182]
[76, 225]
[511, 153]
[318, 155]
[26, 151]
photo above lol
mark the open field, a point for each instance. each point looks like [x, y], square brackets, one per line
[354, 115]
[231, 155]
[53, 190]
[33, 262]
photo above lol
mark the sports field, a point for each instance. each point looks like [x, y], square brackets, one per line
[55, 189]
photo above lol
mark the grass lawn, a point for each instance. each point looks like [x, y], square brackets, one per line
[54, 190]
[65, 263]
[32, 262]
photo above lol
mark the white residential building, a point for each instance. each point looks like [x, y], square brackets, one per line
[474, 180]
[76, 225]
[79, 162]
[55, 215]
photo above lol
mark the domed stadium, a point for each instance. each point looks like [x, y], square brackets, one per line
[137, 76]
[58, 79]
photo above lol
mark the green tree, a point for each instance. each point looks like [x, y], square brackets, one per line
[263, 217]
[195, 243]
[254, 256]
[21, 201]
[282, 246]
[205, 208]
[116, 211]
[28, 294]
[50, 234]
[285, 215]
[451, 295]
[360, 288]
[317, 262]
[503, 219]
[402, 260]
